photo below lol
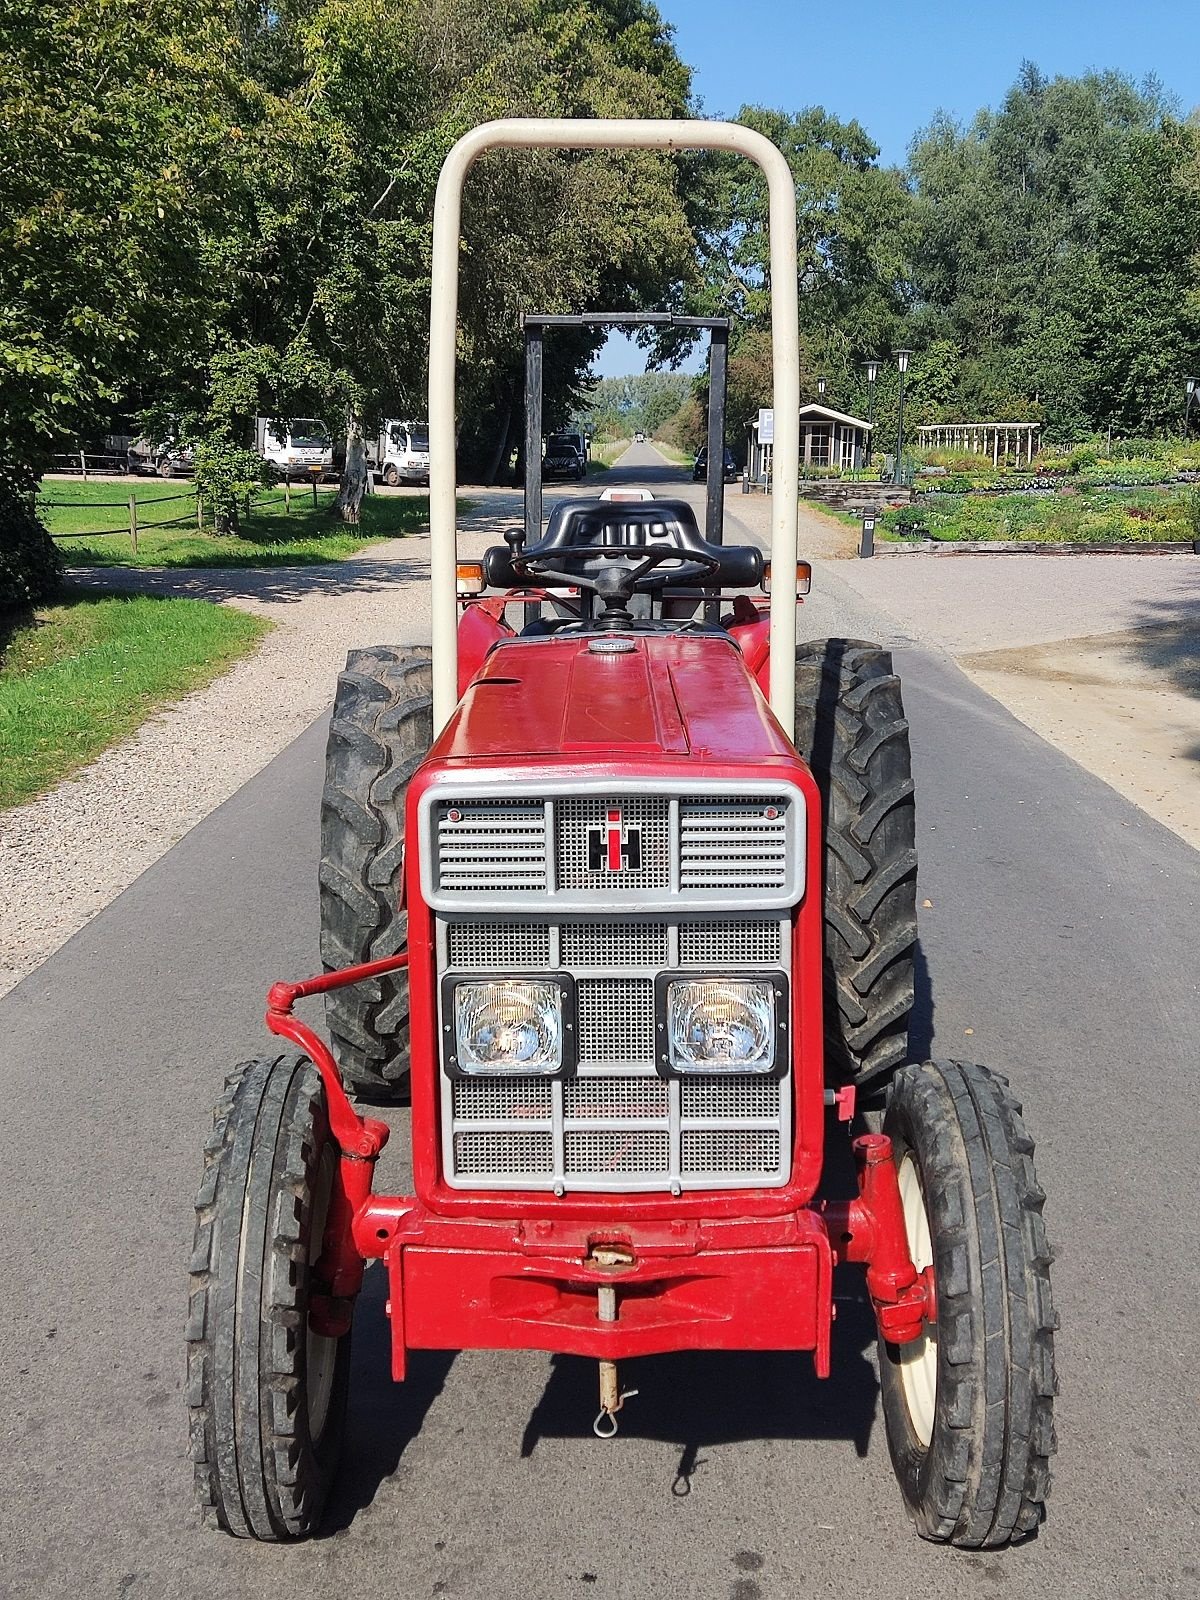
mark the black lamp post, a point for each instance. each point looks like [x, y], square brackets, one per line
[872, 367]
[1191, 384]
[901, 367]
[821, 384]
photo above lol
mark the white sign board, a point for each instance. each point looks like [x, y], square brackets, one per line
[766, 426]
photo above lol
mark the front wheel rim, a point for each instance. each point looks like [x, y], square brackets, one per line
[919, 1358]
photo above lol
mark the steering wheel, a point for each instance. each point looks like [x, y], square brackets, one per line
[615, 581]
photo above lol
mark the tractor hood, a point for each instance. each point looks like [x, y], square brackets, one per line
[683, 695]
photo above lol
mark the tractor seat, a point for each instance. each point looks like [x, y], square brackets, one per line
[626, 528]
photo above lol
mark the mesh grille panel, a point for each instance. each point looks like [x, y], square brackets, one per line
[726, 1153]
[616, 1021]
[752, 942]
[493, 845]
[581, 825]
[614, 944]
[503, 1154]
[617, 1152]
[499, 947]
[730, 1097]
[615, 1097]
[501, 1099]
[733, 843]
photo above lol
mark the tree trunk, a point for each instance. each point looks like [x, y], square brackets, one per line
[348, 505]
[503, 442]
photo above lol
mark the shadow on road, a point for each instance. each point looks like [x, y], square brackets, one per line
[383, 1417]
[270, 585]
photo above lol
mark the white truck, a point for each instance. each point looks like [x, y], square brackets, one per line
[306, 451]
[400, 453]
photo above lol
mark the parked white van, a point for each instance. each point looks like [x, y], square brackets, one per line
[305, 452]
[401, 453]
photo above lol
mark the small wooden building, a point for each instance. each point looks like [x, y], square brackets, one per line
[828, 439]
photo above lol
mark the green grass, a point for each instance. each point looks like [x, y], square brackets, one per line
[605, 451]
[678, 458]
[1102, 516]
[78, 676]
[270, 536]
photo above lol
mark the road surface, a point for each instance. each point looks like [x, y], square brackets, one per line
[1059, 946]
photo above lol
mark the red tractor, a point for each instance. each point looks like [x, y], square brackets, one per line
[622, 891]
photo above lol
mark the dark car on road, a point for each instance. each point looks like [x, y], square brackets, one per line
[700, 470]
[563, 457]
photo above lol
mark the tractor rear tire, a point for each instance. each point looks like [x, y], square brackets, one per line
[381, 730]
[266, 1395]
[969, 1406]
[851, 729]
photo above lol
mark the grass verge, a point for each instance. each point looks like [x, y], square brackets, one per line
[77, 676]
[90, 522]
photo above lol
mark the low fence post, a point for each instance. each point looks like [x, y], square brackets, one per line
[133, 522]
[83, 465]
[314, 484]
[199, 513]
[287, 496]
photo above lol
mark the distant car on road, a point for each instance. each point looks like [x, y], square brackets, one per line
[639, 438]
[700, 470]
[564, 457]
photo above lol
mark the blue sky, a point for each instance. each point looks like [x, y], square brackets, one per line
[893, 65]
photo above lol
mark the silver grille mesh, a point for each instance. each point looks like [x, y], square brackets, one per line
[611, 1150]
[749, 942]
[614, 943]
[501, 1099]
[499, 946]
[492, 846]
[616, 1123]
[736, 1098]
[499, 1155]
[726, 1151]
[616, 1021]
[733, 843]
[614, 1099]
[581, 821]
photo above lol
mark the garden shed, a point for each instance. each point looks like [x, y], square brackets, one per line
[828, 439]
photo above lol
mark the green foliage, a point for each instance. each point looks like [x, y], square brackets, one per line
[229, 478]
[81, 675]
[617, 408]
[1098, 516]
[30, 567]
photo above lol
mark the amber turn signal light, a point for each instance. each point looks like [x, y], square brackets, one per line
[803, 577]
[470, 577]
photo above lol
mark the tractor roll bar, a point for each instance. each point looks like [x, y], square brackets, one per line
[612, 134]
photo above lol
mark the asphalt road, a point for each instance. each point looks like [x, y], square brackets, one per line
[1059, 947]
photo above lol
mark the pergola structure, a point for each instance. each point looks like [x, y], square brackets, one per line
[1017, 440]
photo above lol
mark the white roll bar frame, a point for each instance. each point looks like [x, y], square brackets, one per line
[612, 134]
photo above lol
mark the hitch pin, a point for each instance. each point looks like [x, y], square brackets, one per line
[612, 1397]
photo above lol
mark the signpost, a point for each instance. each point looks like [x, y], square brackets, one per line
[867, 546]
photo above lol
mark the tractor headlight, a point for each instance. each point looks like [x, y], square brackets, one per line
[724, 1024]
[509, 1025]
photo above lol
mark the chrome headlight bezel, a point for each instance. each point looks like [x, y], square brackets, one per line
[569, 1034]
[664, 1054]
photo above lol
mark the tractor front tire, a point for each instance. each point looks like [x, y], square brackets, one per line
[969, 1406]
[266, 1395]
[852, 732]
[381, 730]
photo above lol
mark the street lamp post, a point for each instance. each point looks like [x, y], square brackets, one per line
[902, 367]
[872, 373]
[1191, 384]
[821, 385]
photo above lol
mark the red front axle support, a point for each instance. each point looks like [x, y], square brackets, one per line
[868, 1229]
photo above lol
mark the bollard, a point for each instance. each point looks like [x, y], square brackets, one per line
[746, 481]
[866, 547]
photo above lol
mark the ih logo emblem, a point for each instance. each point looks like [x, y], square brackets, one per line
[614, 847]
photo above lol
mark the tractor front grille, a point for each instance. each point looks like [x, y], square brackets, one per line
[648, 851]
[615, 1125]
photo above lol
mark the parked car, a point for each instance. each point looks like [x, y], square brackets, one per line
[167, 458]
[700, 470]
[564, 457]
[401, 453]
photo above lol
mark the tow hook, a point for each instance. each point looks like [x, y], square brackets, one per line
[609, 1258]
